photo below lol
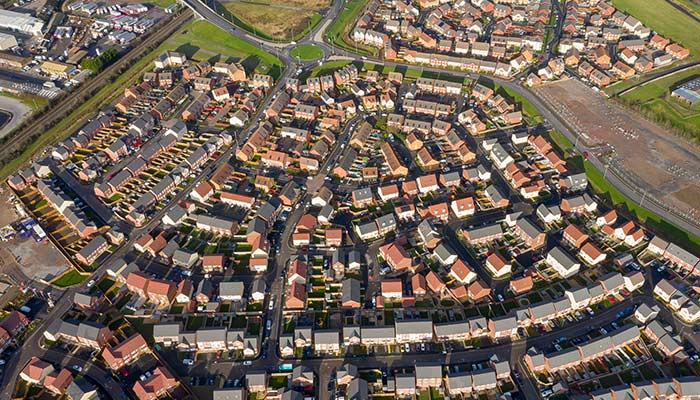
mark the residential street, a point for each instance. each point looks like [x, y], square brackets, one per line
[275, 276]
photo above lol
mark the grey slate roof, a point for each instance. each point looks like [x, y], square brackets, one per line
[484, 377]
[229, 394]
[404, 327]
[484, 231]
[351, 290]
[682, 254]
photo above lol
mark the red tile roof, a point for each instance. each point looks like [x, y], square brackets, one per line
[153, 387]
[125, 349]
[392, 286]
[521, 285]
[461, 269]
[35, 367]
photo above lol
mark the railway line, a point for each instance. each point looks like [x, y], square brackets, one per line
[16, 143]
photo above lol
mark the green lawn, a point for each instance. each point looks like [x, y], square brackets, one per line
[162, 3]
[692, 6]
[69, 278]
[651, 220]
[203, 40]
[307, 52]
[662, 17]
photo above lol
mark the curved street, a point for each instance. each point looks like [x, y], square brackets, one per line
[509, 351]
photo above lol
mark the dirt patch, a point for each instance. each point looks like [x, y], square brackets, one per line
[686, 195]
[273, 21]
[664, 165]
[8, 214]
[25, 259]
[645, 168]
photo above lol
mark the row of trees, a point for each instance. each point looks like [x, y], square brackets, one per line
[99, 63]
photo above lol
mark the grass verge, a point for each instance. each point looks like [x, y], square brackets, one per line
[652, 221]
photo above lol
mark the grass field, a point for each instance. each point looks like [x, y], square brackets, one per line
[196, 39]
[203, 40]
[69, 278]
[661, 86]
[662, 17]
[277, 20]
[338, 31]
[307, 52]
[654, 100]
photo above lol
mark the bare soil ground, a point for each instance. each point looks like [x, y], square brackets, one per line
[22, 258]
[662, 163]
[7, 210]
[39, 261]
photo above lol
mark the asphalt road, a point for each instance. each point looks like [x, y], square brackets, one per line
[18, 112]
[323, 366]
[62, 305]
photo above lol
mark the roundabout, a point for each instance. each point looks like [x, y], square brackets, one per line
[306, 52]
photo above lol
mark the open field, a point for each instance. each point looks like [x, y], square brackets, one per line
[662, 17]
[654, 100]
[307, 52]
[162, 3]
[275, 19]
[35, 260]
[199, 39]
[337, 33]
[650, 157]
